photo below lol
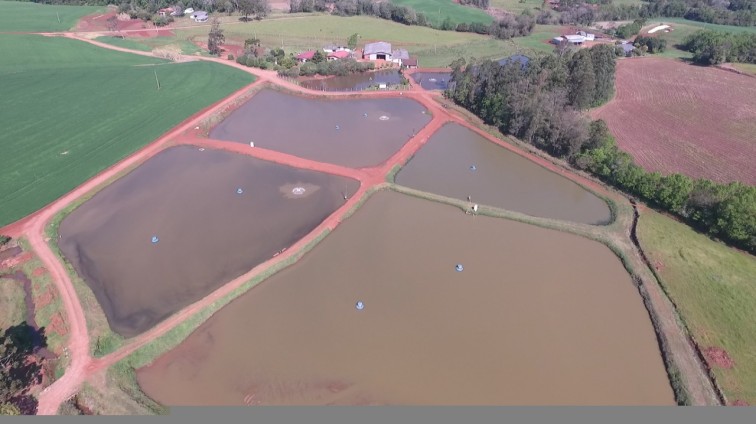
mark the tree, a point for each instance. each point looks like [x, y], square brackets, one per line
[352, 41]
[112, 24]
[246, 7]
[19, 369]
[582, 80]
[4, 240]
[318, 57]
[9, 409]
[215, 38]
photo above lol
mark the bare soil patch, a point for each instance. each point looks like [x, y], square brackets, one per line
[718, 357]
[125, 26]
[674, 117]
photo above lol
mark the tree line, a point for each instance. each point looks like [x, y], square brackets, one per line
[714, 47]
[542, 104]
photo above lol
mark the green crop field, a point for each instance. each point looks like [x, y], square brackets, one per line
[715, 292]
[77, 109]
[438, 10]
[34, 17]
[434, 48]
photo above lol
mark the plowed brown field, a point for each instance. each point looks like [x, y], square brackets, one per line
[675, 117]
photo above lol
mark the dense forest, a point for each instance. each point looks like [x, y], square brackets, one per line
[542, 104]
[713, 47]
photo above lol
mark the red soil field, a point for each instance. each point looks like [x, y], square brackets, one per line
[674, 117]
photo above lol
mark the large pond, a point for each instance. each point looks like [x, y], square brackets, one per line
[349, 132]
[186, 222]
[457, 162]
[432, 80]
[535, 317]
[354, 82]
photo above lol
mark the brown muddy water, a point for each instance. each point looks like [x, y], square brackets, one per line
[457, 162]
[535, 317]
[325, 130]
[354, 82]
[207, 234]
[432, 80]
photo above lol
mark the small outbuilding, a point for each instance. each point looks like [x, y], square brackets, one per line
[410, 63]
[199, 16]
[627, 48]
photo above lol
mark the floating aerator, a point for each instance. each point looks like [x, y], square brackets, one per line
[337, 127]
[155, 239]
[239, 191]
[473, 168]
[360, 306]
[459, 268]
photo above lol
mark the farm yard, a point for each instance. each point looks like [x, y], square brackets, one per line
[433, 48]
[27, 16]
[714, 290]
[674, 117]
[55, 138]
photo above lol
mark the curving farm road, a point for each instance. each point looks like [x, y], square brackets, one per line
[33, 227]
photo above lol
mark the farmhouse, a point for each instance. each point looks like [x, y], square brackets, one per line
[168, 11]
[199, 16]
[377, 51]
[338, 55]
[305, 56]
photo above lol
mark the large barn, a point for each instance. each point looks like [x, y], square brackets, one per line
[380, 50]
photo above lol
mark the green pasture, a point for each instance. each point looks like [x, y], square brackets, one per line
[17, 16]
[714, 288]
[77, 109]
[438, 10]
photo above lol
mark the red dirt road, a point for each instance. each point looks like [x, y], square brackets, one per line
[82, 364]
[674, 117]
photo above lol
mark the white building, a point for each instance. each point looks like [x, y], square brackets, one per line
[199, 16]
[574, 39]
